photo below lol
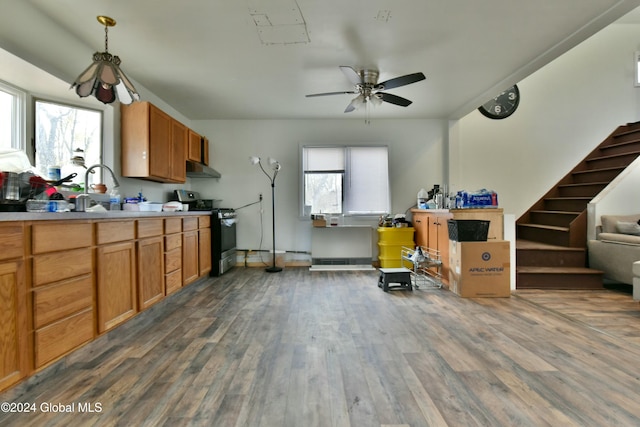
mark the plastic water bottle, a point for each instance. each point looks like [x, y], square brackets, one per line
[423, 196]
[114, 200]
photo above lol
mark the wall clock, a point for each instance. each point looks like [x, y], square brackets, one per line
[503, 105]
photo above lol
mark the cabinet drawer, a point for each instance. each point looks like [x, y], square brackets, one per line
[172, 260]
[11, 241]
[204, 221]
[173, 281]
[56, 266]
[172, 241]
[189, 223]
[149, 228]
[55, 302]
[115, 231]
[58, 236]
[61, 337]
[172, 225]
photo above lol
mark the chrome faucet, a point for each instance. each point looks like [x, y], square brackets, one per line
[91, 168]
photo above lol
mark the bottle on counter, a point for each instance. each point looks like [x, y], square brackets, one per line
[438, 197]
[423, 197]
[114, 200]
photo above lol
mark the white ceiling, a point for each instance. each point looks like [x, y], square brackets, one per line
[256, 59]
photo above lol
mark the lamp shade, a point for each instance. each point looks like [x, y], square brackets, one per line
[105, 80]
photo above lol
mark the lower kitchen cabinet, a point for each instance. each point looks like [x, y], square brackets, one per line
[150, 257]
[61, 288]
[204, 245]
[14, 360]
[432, 232]
[116, 284]
[150, 271]
[190, 257]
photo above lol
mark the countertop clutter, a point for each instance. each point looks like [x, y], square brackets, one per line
[57, 216]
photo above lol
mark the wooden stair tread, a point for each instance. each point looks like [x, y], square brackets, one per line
[613, 156]
[557, 270]
[584, 184]
[544, 227]
[599, 170]
[569, 198]
[542, 211]
[531, 245]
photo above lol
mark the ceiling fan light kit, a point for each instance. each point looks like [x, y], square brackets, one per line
[103, 78]
[369, 91]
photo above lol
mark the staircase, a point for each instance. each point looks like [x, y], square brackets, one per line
[551, 237]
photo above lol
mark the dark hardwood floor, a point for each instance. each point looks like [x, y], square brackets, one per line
[301, 348]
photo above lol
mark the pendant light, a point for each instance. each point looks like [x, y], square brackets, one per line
[103, 78]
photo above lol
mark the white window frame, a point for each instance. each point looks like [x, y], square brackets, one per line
[18, 130]
[347, 207]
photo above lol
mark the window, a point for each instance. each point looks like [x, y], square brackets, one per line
[346, 180]
[60, 130]
[12, 111]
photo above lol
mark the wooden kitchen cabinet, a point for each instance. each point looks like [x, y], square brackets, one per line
[204, 245]
[153, 144]
[14, 330]
[205, 151]
[194, 151]
[62, 288]
[172, 255]
[432, 232]
[116, 276]
[190, 250]
[179, 140]
[150, 257]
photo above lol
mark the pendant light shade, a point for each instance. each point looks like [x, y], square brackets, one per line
[103, 78]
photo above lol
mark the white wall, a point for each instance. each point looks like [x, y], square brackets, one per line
[567, 109]
[416, 150]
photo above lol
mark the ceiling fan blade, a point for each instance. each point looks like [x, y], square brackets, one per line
[331, 93]
[401, 81]
[394, 99]
[351, 74]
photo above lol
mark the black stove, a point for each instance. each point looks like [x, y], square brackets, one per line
[223, 230]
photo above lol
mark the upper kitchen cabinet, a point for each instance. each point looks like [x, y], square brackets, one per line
[194, 152]
[153, 144]
[198, 148]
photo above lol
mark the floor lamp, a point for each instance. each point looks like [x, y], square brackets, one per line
[275, 167]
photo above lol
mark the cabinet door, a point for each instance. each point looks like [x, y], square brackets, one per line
[204, 252]
[205, 150]
[13, 324]
[194, 152]
[189, 256]
[439, 239]
[421, 225]
[179, 137]
[160, 150]
[150, 271]
[116, 284]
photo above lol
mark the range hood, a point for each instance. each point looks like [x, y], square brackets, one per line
[198, 170]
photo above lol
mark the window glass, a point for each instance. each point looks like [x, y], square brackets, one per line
[11, 118]
[346, 180]
[61, 131]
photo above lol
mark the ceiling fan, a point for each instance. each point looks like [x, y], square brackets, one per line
[370, 91]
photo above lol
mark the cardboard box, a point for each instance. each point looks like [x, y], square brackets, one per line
[319, 222]
[479, 269]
